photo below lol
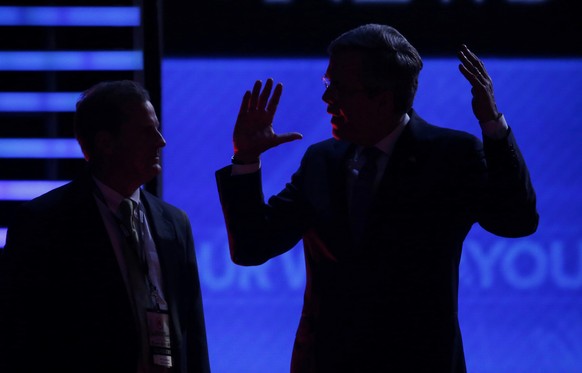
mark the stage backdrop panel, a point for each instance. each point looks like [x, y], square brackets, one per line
[520, 299]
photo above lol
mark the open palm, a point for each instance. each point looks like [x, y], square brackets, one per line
[253, 131]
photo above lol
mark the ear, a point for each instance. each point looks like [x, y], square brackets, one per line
[104, 143]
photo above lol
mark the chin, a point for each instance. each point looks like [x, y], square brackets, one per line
[156, 170]
[150, 173]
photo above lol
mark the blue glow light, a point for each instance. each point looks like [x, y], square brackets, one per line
[69, 16]
[20, 190]
[382, 1]
[38, 101]
[86, 60]
[40, 148]
[3, 237]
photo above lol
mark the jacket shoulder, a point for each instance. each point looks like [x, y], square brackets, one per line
[424, 129]
[156, 203]
[56, 201]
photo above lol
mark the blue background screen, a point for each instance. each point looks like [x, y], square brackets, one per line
[520, 304]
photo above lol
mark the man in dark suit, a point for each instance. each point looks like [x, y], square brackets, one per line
[78, 294]
[382, 272]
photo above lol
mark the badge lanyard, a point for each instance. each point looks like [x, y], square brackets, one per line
[158, 321]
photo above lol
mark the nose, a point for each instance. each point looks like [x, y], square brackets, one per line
[161, 140]
[328, 96]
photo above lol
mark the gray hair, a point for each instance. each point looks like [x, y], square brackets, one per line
[390, 61]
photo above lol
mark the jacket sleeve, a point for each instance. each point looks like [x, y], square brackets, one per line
[24, 291]
[197, 345]
[259, 231]
[508, 205]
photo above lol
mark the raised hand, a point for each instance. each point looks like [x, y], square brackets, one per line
[484, 106]
[253, 131]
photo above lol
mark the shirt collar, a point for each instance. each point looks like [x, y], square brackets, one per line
[112, 198]
[386, 145]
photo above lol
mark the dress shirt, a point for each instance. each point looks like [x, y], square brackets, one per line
[386, 146]
[109, 209]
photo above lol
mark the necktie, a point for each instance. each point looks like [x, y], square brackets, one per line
[363, 193]
[127, 210]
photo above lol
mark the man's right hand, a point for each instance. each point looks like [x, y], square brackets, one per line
[253, 131]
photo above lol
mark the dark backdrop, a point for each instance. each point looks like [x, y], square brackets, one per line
[435, 27]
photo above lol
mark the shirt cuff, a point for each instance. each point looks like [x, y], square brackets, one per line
[243, 169]
[496, 128]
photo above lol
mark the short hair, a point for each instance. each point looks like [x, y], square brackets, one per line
[104, 107]
[390, 61]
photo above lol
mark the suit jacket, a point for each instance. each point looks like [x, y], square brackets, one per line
[390, 302]
[67, 308]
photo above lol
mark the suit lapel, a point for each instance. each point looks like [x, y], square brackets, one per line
[402, 157]
[89, 249]
[339, 220]
[338, 180]
[162, 228]
[400, 177]
[90, 229]
[406, 158]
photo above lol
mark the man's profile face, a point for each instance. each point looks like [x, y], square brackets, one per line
[358, 115]
[136, 147]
